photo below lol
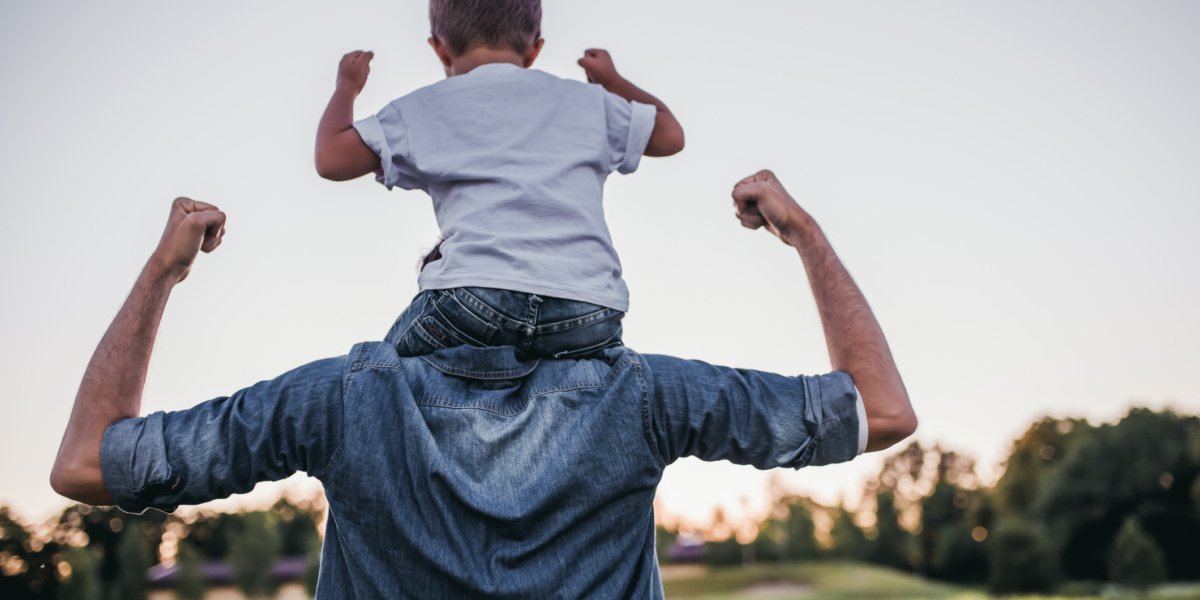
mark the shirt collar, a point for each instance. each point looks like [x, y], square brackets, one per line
[493, 67]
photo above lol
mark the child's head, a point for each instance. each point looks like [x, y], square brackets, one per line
[463, 25]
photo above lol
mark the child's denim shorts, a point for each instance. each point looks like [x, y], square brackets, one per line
[538, 326]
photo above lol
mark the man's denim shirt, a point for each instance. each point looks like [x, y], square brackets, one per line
[468, 473]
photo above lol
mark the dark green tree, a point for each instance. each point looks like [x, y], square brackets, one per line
[799, 532]
[1144, 465]
[945, 508]
[212, 533]
[103, 529]
[789, 536]
[893, 545]
[1135, 559]
[297, 528]
[663, 538]
[134, 557]
[189, 581]
[1196, 496]
[1034, 458]
[253, 553]
[83, 580]
[27, 568]
[849, 541]
[1021, 560]
[725, 553]
[957, 556]
[312, 573]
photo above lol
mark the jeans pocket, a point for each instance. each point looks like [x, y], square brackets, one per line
[420, 306]
[418, 341]
[462, 322]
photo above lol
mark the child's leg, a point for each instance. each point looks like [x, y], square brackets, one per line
[402, 324]
[435, 320]
[571, 329]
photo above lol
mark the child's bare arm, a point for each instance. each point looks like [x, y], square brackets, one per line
[341, 154]
[667, 138]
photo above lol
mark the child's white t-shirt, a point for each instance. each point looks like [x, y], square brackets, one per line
[515, 161]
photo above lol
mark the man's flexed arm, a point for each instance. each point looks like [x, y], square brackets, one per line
[112, 385]
[856, 342]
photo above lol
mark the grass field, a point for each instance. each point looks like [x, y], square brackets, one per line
[837, 581]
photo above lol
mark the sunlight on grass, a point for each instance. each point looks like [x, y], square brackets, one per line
[837, 581]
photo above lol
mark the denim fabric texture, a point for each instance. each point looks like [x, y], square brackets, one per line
[539, 327]
[469, 473]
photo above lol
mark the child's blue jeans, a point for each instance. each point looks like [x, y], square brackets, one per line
[538, 326]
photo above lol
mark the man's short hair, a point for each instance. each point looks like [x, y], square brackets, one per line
[464, 25]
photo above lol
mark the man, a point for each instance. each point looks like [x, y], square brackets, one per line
[468, 472]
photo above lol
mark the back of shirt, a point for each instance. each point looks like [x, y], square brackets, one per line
[469, 473]
[515, 161]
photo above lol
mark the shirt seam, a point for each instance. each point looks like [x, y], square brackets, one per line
[647, 428]
[359, 360]
[407, 151]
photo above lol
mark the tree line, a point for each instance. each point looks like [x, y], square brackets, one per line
[1076, 506]
[101, 553]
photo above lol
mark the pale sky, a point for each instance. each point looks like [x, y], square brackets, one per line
[1014, 185]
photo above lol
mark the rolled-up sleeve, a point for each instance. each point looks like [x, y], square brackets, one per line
[386, 135]
[225, 446]
[750, 417]
[629, 127]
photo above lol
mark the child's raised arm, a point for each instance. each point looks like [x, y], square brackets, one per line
[341, 154]
[667, 137]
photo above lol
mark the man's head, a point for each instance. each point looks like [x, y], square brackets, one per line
[462, 26]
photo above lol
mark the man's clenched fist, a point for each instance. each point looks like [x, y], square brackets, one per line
[192, 227]
[761, 201]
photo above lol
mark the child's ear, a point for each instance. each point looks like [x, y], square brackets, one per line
[532, 53]
[441, 51]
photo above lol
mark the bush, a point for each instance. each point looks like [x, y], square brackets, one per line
[958, 557]
[1135, 559]
[1021, 561]
[252, 555]
[83, 582]
[134, 556]
[190, 576]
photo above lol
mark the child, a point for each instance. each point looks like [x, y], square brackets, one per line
[515, 160]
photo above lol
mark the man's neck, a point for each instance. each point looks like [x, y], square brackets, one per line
[466, 62]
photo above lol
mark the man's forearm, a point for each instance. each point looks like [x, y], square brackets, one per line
[112, 386]
[855, 340]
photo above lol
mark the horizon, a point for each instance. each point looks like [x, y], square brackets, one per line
[1013, 186]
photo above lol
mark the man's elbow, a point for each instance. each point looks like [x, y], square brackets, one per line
[79, 484]
[883, 433]
[906, 425]
[62, 483]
